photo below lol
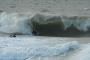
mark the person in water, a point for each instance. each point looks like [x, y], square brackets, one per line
[13, 35]
[35, 32]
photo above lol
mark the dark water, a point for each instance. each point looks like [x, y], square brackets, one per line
[74, 26]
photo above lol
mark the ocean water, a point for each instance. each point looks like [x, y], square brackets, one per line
[25, 47]
[44, 24]
[63, 17]
[62, 7]
[45, 29]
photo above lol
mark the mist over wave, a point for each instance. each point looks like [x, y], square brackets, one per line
[43, 24]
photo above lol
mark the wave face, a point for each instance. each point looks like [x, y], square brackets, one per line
[56, 25]
[44, 24]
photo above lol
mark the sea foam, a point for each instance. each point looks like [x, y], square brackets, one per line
[15, 51]
[14, 23]
[84, 53]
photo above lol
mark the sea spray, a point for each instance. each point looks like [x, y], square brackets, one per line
[14, 23]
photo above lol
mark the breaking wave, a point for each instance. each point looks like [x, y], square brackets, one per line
[15, 23]
[43, 24]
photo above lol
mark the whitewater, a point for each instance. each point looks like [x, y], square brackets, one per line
[43, 48]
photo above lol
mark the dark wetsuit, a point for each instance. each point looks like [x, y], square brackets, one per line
[35, 32]
[13, 35]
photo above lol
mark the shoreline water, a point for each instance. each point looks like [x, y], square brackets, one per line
[21, 44]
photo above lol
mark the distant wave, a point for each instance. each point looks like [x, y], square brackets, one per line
[43, 24]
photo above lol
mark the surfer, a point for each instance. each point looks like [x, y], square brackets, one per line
[12, 35]
[35, 32]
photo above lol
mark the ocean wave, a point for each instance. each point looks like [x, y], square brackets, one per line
[43, 24]
[54, 25]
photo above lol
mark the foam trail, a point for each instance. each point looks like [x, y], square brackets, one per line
[33, 51]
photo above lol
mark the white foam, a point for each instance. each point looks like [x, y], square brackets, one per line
[17, 49]
[84, 54]
[14, 23]
[81, 23]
